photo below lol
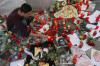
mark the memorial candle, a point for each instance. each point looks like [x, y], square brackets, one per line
[88, 13]
[44, 22]
[81, 44]
[72, 32]
[78, 21]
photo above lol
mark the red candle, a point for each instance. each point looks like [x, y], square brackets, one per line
[69, 44]
[72, 32]
[60, 18]
[87, 6]
[77, 27]
[78, 21]
[36, 20]
[60, 5]
[81, 44]
[41, 26]
[0, 16]
[87, 2]
[9, 59]
[96, 27]
[87, 19]
[54, 37]
[97, 19]
[5, 16]
[82, 15]
[49, 19]
[34, 25]
[76, 5]
[49, 38]
[79, 11]
[90, 29]
[18, 42]
[73, 19]
[65, 20]
[22, 51]
[63, 34]
[68, 19]
[52, 40]
[29, 45]
[75, 56]
[83, 1]
[19, 56]
[45, 32]
[80, 3]
[68, 2]
[36, 42]
[39, 11]
[44, 22]
[88, 13]
[30, 26]
[49, 32]
[52, 31]
[85, 36]
[68, 38]
[57, 31]
[52, 13]
[95, 32]
[37, 16]
[74, 61]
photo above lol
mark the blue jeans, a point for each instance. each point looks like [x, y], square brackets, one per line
[25, 22]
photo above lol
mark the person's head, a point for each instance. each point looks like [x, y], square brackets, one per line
[25, 10]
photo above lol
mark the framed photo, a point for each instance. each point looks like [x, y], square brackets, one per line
[61, 42]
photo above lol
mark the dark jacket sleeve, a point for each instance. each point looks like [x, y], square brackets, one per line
[21, 28]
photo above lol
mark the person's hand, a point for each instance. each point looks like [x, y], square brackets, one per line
[43, 36]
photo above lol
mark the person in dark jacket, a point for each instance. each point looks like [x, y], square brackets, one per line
[19, 19]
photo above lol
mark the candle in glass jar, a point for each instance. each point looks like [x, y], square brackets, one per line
[77, 27]
[68, 19]
[78, 21]
[68, 27]
[87, 19]
[49, 38]
[81, 44]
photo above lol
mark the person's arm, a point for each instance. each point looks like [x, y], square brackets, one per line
[38, 35]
